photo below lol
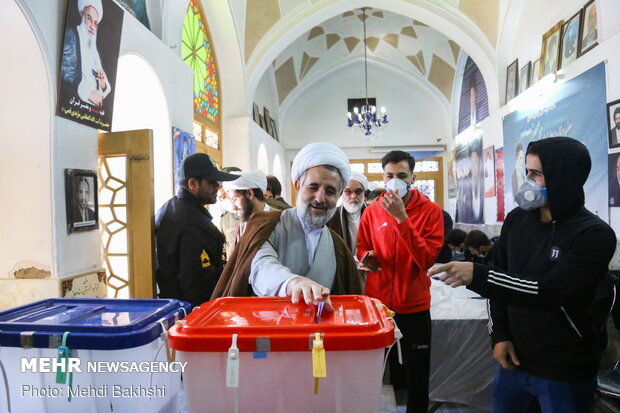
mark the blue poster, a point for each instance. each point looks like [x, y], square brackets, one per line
[183, 144]
[578, 110]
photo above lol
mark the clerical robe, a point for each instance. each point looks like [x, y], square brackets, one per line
[286, 255]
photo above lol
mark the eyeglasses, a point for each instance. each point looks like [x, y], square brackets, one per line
[358, 191]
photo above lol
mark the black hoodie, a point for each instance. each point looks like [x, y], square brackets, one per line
[545, 276]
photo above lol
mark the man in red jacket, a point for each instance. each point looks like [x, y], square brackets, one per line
[398, 239]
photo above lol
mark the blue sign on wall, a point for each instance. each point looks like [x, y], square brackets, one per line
[578, 110]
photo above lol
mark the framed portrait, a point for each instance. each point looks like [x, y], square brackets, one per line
[255, 113]
[570, 40]
[535, 73]
[551, 50]
[512, 80]
[613, 123]
[524, 77]
[588, 37]
[81, 200]
[274, 131]
[266, 126]
[261, 120]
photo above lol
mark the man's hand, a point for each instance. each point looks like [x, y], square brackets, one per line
[504, 353]
[370, 262]
[394, 206]
[312, 292]
[455, 273]
[101, 79]
[96, 98]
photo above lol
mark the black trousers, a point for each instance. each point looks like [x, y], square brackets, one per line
[416, 348]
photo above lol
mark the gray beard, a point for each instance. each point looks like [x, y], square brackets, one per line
[314, 221]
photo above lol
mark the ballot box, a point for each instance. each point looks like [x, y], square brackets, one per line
[89, 356]
[251, 354]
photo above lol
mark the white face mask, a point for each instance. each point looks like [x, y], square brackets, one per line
[397, 185]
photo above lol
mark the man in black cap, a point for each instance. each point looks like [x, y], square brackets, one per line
[189, 246]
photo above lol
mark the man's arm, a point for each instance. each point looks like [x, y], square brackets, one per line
[198, 273]
[268, 278]
[569, 278]
[267, 274]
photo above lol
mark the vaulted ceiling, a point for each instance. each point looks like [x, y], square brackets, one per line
[415, 48]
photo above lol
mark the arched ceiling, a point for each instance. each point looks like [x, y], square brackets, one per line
[409, 45]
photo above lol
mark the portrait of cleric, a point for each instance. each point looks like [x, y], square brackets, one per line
[82, 199]
[87, 68]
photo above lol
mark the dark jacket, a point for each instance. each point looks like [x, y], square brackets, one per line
[546, 274]
[189, 250]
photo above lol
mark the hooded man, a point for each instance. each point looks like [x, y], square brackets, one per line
[347, 218]
[81, 66]
[549, 289]
[189, 246]
[399, 237]
[247, 196]
[292, 252]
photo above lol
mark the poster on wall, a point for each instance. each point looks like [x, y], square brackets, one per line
[81, 200]
[470, 183]
[137, 8]
[577, 110]
[183, 144]
[451, 175]
[489, 171]
[499, 182]
[474, 103]
[89, 61]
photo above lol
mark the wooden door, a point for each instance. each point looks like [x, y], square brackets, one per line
[126, 212]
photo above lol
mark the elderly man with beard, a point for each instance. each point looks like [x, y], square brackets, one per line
[81, 66]
[346, 221]
[247, 196]
[292, 252]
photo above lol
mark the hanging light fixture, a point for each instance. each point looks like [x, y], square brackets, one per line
[366, 118]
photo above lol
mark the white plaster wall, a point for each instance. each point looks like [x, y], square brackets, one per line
[259, 137]
[319, 113]
[266, 96]
[136, 82]
[74, 145]
[25, 130]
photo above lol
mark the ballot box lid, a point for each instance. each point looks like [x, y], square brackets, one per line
[276, 324]
[91, 323]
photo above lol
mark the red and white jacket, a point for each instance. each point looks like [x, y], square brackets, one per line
[405, 251]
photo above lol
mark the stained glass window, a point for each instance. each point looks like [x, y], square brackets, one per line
[197, 52]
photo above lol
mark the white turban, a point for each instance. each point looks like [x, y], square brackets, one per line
[361, 178]
[94, 3]
[321, 153]
[248, 180]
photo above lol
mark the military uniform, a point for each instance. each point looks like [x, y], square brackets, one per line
[189, 250]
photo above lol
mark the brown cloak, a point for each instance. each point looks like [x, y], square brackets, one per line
[234, 279]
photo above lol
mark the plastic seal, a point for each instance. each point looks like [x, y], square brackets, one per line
[232, 364]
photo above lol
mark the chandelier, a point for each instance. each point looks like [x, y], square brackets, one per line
[366, 118]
